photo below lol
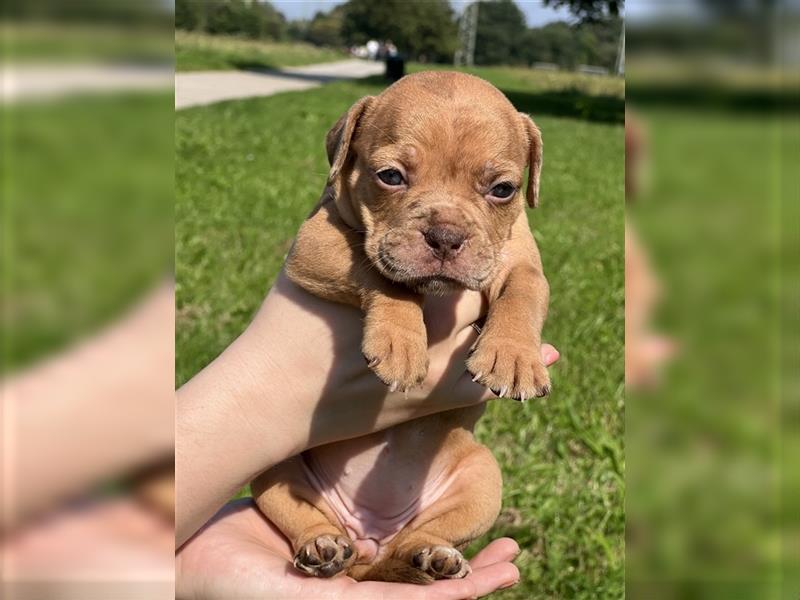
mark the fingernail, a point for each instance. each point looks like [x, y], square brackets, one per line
[505, 586]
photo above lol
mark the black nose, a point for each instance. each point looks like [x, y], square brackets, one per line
[446, 241]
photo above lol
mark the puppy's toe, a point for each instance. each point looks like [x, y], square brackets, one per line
[325, 556]
[398, 356]
[441, 562]
[509, 368]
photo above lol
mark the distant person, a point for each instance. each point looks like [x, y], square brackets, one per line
[391, 49]
[372, 49]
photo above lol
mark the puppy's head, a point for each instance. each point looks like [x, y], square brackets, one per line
[432, 171]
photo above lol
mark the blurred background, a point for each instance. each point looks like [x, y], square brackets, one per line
[87, 300]
[712, 446]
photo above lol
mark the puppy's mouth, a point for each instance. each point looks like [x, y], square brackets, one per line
[439, 279]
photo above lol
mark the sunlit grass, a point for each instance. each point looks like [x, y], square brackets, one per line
[202, 52]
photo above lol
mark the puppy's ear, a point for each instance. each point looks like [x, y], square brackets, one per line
[337, 142]
[534, 160]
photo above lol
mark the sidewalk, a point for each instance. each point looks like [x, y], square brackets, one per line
[207, 87]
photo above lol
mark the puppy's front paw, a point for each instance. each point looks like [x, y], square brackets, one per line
[441, 562]
[325, 556]
[397, 354]
[508, 367]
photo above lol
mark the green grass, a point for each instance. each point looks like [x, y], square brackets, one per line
[714, 485]
[201, 52]
[62, 43]
[87, 215]
[243, 189]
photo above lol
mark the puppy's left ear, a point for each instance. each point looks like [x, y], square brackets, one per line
[534, 160]
[337, 142]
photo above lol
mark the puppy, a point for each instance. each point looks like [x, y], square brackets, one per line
[424, 196]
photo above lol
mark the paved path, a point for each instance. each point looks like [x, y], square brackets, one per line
[47, 81]
[206, 87]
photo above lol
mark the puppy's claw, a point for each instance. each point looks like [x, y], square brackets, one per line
[394, 386]
[477, 377]
[374, 362]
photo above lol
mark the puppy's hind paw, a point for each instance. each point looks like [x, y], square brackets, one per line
[325, 556]
[441, 562]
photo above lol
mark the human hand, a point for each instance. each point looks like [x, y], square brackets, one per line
[103, 547]
[239, 554]
[296, 379]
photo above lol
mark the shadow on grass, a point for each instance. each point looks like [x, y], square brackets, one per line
[711, 96]
[571, 102]
[262, 68]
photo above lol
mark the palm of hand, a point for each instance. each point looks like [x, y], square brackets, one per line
[239, 554]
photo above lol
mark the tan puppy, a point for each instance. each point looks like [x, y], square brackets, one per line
[424, 197]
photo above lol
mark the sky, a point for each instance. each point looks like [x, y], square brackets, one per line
[535, 13]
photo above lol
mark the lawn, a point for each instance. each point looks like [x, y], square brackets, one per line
[83, 178]
[64, 43]
[713, 478]
[202, 52]
[243, 187]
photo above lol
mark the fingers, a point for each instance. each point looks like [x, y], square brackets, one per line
[499, 550]
[549, 354]
[481, 582]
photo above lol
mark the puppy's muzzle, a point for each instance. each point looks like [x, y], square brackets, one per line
[445, 241]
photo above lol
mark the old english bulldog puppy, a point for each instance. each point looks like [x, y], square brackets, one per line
[425, 196]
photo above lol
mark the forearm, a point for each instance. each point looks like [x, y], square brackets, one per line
[256, 404]
[230, 426]
[98, 410]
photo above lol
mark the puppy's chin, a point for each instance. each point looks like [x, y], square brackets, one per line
[435, 286]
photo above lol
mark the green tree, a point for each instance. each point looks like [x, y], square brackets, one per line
[421, 29]
[590, 10]
[231, 17]
[187, 15]
[593, 43]
[500, 33]
[325, 29]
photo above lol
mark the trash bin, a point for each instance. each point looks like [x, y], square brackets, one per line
[395, 67]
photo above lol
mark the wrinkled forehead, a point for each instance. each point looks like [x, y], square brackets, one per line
[469, 130]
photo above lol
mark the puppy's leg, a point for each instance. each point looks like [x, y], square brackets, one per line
[507, 355]
[320, 548]
[430, 546]
[327, 260]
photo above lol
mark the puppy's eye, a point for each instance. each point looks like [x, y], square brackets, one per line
[391, 177]
[503, 190]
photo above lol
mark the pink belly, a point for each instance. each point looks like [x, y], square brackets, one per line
[377, 484]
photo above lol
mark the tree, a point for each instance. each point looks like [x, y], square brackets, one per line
[232, 17]
[571, 45]
[590, 10]
[422, 30]
[325, 29]
[500, 33]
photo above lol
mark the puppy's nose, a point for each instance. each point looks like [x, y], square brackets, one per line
[446, 241]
